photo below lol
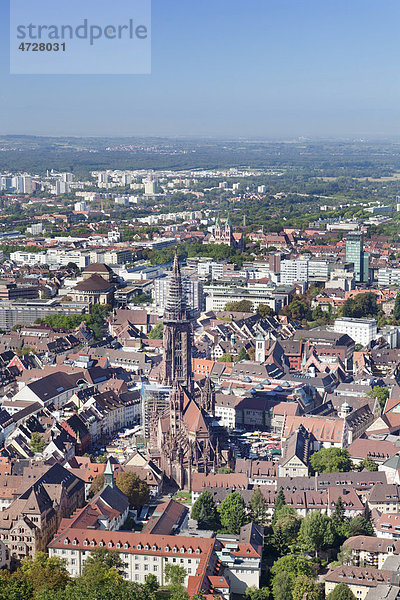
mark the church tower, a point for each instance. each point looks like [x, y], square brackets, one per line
[109, 475]
[177, 336]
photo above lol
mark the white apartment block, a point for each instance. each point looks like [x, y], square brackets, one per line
[362, 331]
[218, 296]
[293, 271]
[318, 270]
[142, 554]
[28, 258]
[388, 277]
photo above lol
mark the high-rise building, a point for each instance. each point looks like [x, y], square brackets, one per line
[355, 254]
[150, 187]
[294, 271]
[192, 288]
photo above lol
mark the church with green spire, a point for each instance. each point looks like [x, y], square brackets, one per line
[222, 233]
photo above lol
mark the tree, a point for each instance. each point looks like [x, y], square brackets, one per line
[226, 357]
[361, 305]
[135, 489]
[44, 572]
[331, 460]
[265, 311]
[317, 313]
[205, 512]
[258, 508]
[102, 558]
[316, 533]
[156, 332]
[232, 513]
[341, 592]
[254, 593]
[381, 393]
[368, 464]
[96, 485]
[37, 442]
[282, 585]
[360, 526]
[306, 585]
[286, 528]
[278, 503]
[284, 572]
[338, 513]
[151, 583]
[241, 306]
[174, 575]
[242, 355]
[345, 556]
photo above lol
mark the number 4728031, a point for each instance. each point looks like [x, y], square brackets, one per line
[41, 47]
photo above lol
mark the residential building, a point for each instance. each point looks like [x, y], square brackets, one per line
[362, 331]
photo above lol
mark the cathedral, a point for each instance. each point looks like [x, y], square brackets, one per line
[181, 437]
[222, 233]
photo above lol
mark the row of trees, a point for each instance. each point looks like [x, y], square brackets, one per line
[338, 460]
[45, 578]
[95, 320]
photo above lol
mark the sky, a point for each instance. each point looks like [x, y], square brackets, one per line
[229, 68]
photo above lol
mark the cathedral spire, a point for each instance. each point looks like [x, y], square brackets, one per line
[177, 335]
[176, 304]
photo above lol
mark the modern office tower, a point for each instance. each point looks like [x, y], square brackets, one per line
[355, 254]
[22, 184]
[35, 229]
[150, 187]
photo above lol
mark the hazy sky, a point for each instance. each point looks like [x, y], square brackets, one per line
[265, 68]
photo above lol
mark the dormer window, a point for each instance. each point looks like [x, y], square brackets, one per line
[110, 544]
[197, 550]
[147, 547]
[126, 546]
[85, 542]
[174, 549]
[139, 546]
[154, 548]
[118, 545]
[166, 548]
[66, 541]
[182, 550]
[101, 543]
[92, 543]
[74, 542]
[190, 550]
